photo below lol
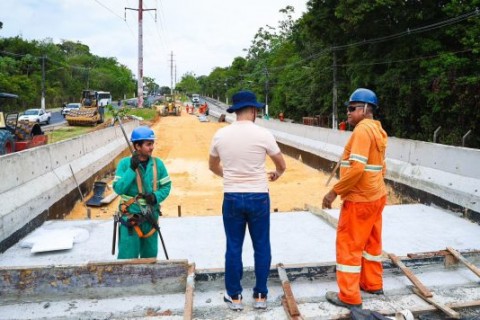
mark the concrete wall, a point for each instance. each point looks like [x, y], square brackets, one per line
[35, 179]
[447, 172]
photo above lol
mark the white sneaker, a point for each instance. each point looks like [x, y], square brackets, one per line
[260, 301]
[234, 303]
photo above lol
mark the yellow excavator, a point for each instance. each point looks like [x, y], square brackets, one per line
[89, 114]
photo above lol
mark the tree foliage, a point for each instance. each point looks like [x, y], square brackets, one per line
[69, 68]
[420, 57]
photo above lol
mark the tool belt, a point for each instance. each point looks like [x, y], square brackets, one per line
[133, 221]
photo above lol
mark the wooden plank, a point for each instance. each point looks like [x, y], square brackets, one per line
[288, 300]
[409, 274]
[188, 308]
[462, 259]
[447, 310]
[124, 261]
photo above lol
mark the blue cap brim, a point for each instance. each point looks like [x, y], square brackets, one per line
[242, 105]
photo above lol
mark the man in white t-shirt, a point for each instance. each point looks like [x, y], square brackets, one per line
[238, 153]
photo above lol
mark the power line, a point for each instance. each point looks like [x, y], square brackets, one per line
[108, 9]
[426, 28]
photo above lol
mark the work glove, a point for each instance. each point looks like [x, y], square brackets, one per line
[134, 162]
[150, 198]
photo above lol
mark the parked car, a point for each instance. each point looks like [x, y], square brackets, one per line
[36, 115]
[69, 107]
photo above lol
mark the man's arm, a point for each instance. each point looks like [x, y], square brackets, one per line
[280, 166]
[215, 166]
[164, 184]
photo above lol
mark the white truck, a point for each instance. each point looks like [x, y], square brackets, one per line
[36, 115]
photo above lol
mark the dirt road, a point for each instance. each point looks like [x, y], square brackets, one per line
[183, 144]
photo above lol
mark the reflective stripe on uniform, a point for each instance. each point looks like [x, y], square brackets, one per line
[368, 167]
[348, 269]
[373, 168]
[345, 163]
[370, 257]
[165, 180]
[359, 158]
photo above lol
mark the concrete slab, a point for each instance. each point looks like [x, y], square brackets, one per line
[419, 228]
[296, 238]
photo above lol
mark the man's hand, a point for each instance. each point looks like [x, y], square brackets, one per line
[328, 199]
[134, 161]
[150, 198]
[273, 175]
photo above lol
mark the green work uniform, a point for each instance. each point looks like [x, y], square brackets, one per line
[130, 245]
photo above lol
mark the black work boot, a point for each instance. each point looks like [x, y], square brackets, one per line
[332, 297]
[377, 292]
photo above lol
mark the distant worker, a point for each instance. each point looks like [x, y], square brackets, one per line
[342, 126]
[238, 153]
[362, 189]
[119, 103]
[143, 184]
[281, 117]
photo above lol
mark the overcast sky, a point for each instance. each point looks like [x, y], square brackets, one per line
[202, 34]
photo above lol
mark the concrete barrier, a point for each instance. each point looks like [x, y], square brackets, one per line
[35, 179]
[447, 172]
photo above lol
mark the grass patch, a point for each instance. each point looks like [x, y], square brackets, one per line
[68, 132]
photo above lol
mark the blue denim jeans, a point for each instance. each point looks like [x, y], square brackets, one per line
[240, 210]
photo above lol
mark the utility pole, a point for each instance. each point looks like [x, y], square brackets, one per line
[335, 97]
[140, 49]
[42, 102]
[266, 92]
[171, 73]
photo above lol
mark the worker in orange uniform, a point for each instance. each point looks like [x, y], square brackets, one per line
[362, 189]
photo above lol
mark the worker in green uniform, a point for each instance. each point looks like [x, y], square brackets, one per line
[143, 183]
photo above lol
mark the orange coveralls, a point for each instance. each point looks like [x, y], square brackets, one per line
[359, 231]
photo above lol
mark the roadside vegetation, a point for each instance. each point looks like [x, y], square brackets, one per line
[422, 58]
[68, 132]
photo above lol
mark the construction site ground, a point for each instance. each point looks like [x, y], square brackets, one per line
[302, 237]
[183, 144]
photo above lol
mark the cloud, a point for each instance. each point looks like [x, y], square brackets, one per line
[202, 34]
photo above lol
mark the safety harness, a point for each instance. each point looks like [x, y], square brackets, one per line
[133, 221]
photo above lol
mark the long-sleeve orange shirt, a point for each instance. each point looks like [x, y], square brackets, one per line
[362, 168]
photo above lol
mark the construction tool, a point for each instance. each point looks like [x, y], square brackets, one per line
[144, 211]
[89, 215]
[334, 171]
[147, 213]
[116, 218]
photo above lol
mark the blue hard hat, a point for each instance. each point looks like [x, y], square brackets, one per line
[364, 95]
[142, 133]
[244, 99]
